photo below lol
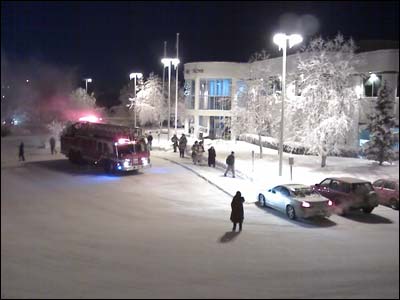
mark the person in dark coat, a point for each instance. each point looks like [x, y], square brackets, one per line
[237, 214]
[211, 156]
[150, 141]
[195, 150]
[21, 152]
[182, 145]
[53, 145]
[174, 140]
[230, 161]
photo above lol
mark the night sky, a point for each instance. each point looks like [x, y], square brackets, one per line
[108, 40]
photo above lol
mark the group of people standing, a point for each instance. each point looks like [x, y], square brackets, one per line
[198, 152]
[179, 144]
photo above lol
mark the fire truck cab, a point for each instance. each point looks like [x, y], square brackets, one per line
[114, 147]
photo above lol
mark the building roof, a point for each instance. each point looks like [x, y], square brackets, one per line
[373, 45]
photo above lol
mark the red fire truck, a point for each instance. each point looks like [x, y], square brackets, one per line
[114, 147]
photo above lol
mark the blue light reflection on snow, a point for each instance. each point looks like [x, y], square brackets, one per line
[98, 179]
[158, 170]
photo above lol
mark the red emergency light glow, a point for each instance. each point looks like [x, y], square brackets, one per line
[90, 118]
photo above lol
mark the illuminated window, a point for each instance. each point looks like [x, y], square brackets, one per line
[372, 84]
[189, 90]
[241, 91]
[215, 94]
[275, 85]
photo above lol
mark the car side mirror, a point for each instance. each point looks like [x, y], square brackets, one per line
[273, 192]
[317, 184]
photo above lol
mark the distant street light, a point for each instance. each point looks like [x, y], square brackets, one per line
[133, 100]
[281, 39]
[167, 63]
[86, 81]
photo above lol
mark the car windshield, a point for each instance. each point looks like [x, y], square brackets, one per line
[303, 192]
[362, 188]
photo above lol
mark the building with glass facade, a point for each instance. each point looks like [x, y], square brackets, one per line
[213, 88]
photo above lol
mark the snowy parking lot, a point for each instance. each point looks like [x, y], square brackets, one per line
[70, 231]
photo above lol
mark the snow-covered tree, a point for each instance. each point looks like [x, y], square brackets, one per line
[80, 99]
[255, 110]
[324, 113]
[127, 96]
[55, 128]
[380, 147]
[151, 105]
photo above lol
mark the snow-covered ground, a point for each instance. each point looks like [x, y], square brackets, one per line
[69, 231]
[306, 168]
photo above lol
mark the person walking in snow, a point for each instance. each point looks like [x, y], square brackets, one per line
[21, 155]
[182, 145]
[53, 145]
[237, 213]
[174, 140]
[200, 152]
[195, 150]
[211, 156]
[150, 141]
[230, 162]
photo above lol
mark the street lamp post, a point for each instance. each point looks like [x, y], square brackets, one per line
[133, 100]
[167, 63]
[176, 84]
[86, 81]
[281, 40]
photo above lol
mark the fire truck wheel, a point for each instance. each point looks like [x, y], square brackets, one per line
[79, 159]
[107, 166]
[72, 156]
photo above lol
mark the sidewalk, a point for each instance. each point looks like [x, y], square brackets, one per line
[255, 175]
[214, 176]
[263, 173]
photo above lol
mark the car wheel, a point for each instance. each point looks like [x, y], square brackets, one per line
[367, 210]
[261, 199]
[290, 212]
[394, 204]
[73, 157]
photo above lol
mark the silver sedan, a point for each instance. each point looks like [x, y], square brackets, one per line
[296, 200]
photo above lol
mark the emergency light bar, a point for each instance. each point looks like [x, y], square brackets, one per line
[90, 118]
[123, 141]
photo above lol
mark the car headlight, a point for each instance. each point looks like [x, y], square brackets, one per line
[127, 163]
[145, 161]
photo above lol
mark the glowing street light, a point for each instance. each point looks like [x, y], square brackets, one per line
[167, 63]
[281, 40]
[133, 100]
[86, 81]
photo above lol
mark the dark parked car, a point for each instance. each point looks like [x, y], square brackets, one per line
[348, 194]
[388, 192]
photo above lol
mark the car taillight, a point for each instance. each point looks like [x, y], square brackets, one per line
[305, 204]
[330, 203]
